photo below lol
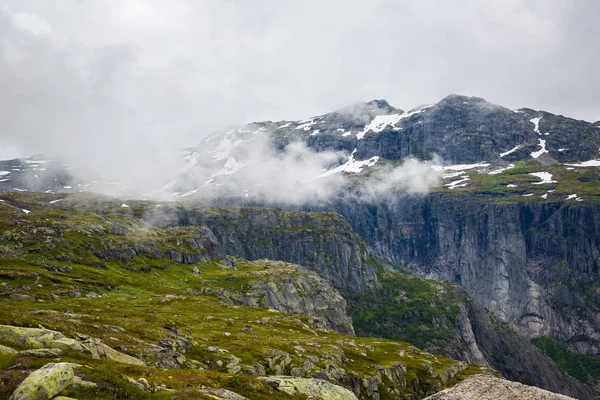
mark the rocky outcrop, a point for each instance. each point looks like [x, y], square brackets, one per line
[321, 242]
[490, 388]
[314, 388]
[45, 383]
[299, 291]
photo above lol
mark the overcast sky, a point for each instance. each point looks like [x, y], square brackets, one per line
[112, 79]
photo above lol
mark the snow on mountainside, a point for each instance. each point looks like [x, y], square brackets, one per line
[373, 136]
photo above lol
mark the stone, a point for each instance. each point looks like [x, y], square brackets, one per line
[7, 356]
[45, 383]
[222, 394]
[21, 297]
[310, 387]
[491, 388]
[77, 381]
[42, 352]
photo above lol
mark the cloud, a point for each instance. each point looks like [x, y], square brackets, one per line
[120, 87]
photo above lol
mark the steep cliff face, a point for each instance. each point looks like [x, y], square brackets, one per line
[533, 264]
[443, 318]
[322, 242]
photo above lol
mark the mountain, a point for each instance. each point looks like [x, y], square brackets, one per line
[499, 206]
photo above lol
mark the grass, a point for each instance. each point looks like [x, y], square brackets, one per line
[585, 368]
[57, 254]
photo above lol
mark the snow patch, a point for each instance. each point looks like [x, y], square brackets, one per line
[571, 196]
[589, 163]
[536, 122]
[500, 170]
[544, 196]
[284, 126]
[2, 173]
[510, 185]
[460, 167]
[458, 183]
[352, 165]
[379, 123]
[541, 151]
[55, 201]
[26, 211]
[528, 195]
[546, 177]
[307, 123]
[517, 147]
[124, 205]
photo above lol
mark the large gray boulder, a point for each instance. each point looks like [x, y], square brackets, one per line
[490, 388]
[45, 383]
[313, 388]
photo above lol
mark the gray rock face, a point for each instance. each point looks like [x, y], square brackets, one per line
[514, 356]
[532, 264]
[301, 292]
[490, 388]
[323, 243]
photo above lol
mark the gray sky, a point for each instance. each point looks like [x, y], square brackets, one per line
[124, 80]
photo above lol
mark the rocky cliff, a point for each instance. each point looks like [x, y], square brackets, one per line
[322, 242]
[534, 264]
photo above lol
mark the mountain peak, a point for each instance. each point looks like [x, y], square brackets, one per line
[455, 98]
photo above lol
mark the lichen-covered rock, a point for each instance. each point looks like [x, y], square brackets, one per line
[222, 394]
[33, 338]
[310, 387]
[491, 388]
[7, 356]
[42, 352]
[38, 338]
[45, 383]
[100, 350]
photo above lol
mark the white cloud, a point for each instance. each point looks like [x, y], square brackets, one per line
[122, 85]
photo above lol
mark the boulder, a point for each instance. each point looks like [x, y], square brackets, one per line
[45, 383]
[491, 388]
[222, 394]
[7, 356]
[309, 387]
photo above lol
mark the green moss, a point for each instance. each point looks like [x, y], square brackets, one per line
[585, 368]
[419, 311]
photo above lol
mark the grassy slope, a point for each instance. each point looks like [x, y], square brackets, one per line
[79, 293]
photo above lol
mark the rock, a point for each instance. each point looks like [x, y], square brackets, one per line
[21, 297]
[296, 290]
[77, 381]
[45, 383]
[42, 352]
[138, 384]
[100, 350]
[491, 388]
[309, 387]
[7, 356]
[35, 338]
[222, 394]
